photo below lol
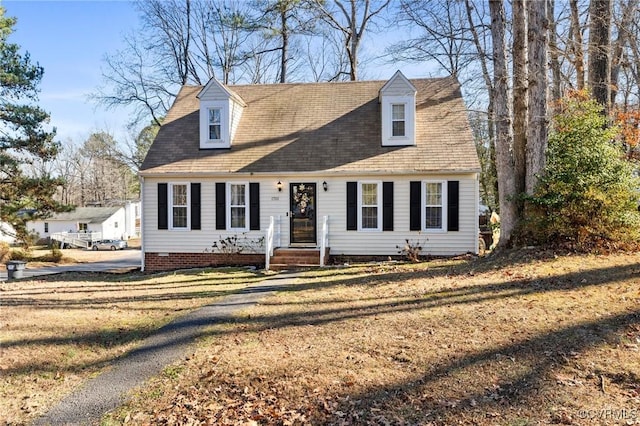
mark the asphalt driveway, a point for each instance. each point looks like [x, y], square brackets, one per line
[109, 261]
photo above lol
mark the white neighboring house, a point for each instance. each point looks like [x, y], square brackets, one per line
[7, 233]
[110, 222]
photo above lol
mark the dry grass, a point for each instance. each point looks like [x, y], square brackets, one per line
[59, 330]
[510, 341]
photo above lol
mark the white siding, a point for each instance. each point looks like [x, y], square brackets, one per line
[197, 241]
[6, 233]
[54, 226]
[112, 228]
[398, 87]
[107, 228]
[331, 203]
[132, 213]
[214, 93]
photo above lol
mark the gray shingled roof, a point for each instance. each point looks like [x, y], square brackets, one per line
[312, 127]
[85, 215]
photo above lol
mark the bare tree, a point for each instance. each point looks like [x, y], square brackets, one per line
[520, 95]
[537, 100]
[576, 44]
[599, 48]
[326, 59]
[222, 29]
[280, 21]
[504, 129]
[133, 77]
[350, 18]
[628, 13]
[443, 37]
[554, 52]
[168, 23]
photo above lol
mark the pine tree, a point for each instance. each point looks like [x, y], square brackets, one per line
[23, 137]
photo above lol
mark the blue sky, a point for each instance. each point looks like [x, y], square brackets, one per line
[69, 39]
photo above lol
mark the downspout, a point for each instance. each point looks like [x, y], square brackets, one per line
[141, 223]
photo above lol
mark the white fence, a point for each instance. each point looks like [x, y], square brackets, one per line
[76, 239]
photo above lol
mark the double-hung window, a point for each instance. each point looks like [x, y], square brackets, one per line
[370, 198]
[215, 123]
[434, 200]
[238, 199]
[179, 207]
[398, 120]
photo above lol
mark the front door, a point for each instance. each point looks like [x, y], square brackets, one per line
[303, 213]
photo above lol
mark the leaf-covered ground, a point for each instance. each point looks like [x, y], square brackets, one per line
[59, 330]
[523, 339]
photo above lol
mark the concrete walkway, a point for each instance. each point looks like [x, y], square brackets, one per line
[169, 344]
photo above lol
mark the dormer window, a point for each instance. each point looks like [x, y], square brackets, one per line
[220, 112]
[398, 109]
[215, 123]
[397, 120]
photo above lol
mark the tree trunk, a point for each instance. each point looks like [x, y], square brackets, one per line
[504, 136]
[285, 45]
[628, 13]
[537, 128]
[355, 41]
[491, 134]
[519, 58]
[554, 60]
[599, 46]
[576, 44]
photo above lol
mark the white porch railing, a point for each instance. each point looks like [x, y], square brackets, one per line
[76, 239]
[324, 239]
[272, 239]
[268, 244]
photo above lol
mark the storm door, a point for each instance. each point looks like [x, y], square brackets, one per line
[303, 213]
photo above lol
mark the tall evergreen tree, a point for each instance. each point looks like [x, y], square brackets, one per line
[23, 136]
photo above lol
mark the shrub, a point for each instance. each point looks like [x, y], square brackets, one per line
[410, 250]
[588, 194]
[54, 256]
[20, 254]
[237, 244]
[5, 251]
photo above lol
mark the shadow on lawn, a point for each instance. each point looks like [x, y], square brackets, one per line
[541, 354]
[451, 295]
[95, 286]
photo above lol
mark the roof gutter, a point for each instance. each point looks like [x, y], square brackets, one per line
[323, 173]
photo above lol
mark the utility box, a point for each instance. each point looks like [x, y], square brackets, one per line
[15, 269]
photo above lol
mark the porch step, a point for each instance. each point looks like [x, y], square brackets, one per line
[296, 258]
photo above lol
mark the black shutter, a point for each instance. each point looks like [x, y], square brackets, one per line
[254, 206]
[415, 195]
[195, 206]
[163, 206]
[453, 194]
[387, 206]
[352, 206]
[221, 206]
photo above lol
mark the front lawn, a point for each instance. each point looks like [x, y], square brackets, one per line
[59, 330]
[519, 340]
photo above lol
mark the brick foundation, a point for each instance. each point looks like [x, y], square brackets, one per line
[154, 262]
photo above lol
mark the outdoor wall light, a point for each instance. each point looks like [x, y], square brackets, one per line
[325, 186]
[279, 186]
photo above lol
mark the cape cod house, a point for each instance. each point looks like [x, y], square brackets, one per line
[238, 173]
